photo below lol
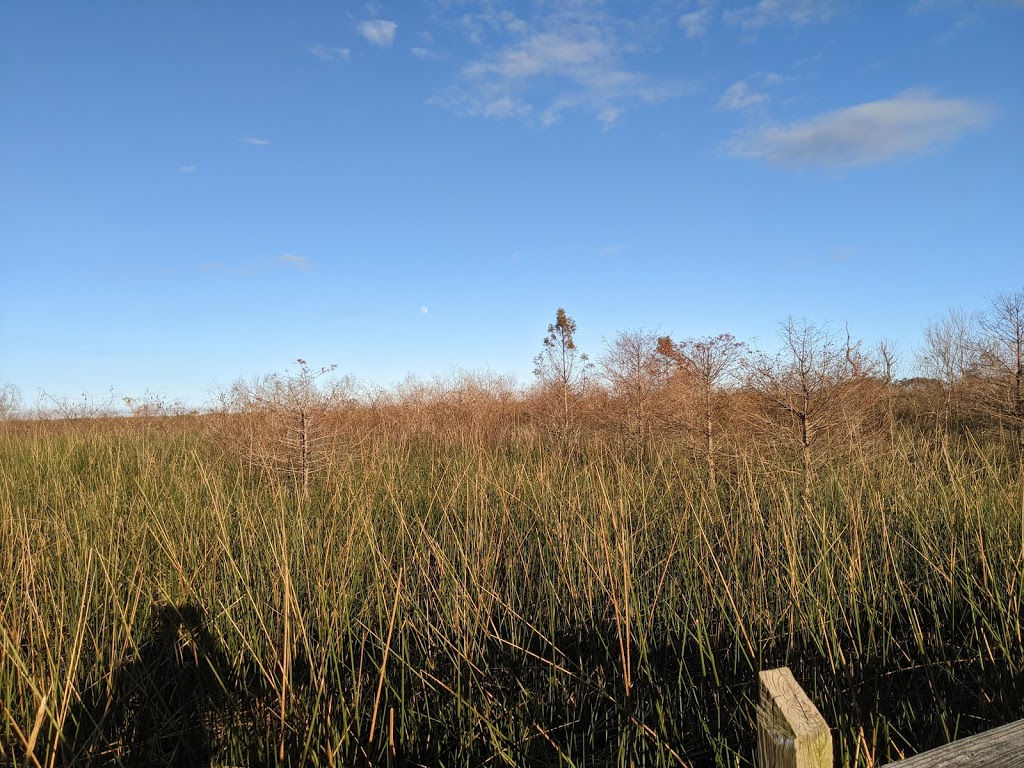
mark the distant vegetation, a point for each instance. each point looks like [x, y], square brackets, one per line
[587, 572]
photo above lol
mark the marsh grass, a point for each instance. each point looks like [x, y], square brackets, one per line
[448, 598]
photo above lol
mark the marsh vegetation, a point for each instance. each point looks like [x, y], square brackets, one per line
[465, 573]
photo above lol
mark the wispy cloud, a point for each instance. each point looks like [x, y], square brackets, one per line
[553, 64]
[424, 53]
[301, 263]
[965, 13]
[379, 31]
[330, 52]
[753, 18]
[478, 25]
[741, 96]
[912, 123]
[285, 260]
[188, 168]
[695, 25]
[924, 6]
[958, 28]
[769, 79]
[832, 258]
[224, 269]
[252, 141]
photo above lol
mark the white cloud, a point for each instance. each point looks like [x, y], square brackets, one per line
[609, 115]
[252, 141]
[753, 18]
[740, 96]
[476, 26]
[695, 25]
[188, 168]
[510, 22]
[378, 31]
[425, 310]
[503, 107]
[296, 262]
[556, 63]
[330, 53]
[546, 54]
[909, 124]
[424, 53]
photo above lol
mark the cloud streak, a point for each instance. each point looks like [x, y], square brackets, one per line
[301, 263]
[912, 123]
[695, 25]
[739, 96]
[330, 53]
[252, 141]
[751, 19]
[286, 260]
[380, 32]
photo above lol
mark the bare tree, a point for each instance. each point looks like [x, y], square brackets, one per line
[948, 356]
[1001, 359]
[10, 401]
[561, 368]
[285, 425]
[887, 371]
[803, 390]
[707, 364]
[634, 372]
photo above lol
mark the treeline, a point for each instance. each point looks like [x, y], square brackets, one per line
[715, 399]
[823, 390]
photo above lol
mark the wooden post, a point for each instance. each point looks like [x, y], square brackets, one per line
[791, 733]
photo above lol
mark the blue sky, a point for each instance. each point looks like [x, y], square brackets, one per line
[191, 192]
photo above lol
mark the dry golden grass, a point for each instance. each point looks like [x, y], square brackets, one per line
[449, 585]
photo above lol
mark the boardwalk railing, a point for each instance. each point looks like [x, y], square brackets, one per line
[791, 733]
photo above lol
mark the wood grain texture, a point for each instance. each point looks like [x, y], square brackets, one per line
[999, 748]
[791, 733]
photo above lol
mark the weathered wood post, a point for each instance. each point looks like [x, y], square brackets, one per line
[791, 733]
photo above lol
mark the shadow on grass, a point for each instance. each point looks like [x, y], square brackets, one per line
[176, 701]
[160, 707]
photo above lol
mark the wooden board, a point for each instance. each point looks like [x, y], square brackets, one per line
[999, 748]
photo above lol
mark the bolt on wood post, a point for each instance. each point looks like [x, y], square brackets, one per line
[791, 733]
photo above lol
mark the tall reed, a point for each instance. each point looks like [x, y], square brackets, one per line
[456, 597]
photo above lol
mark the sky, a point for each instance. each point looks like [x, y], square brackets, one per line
[193, 192]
